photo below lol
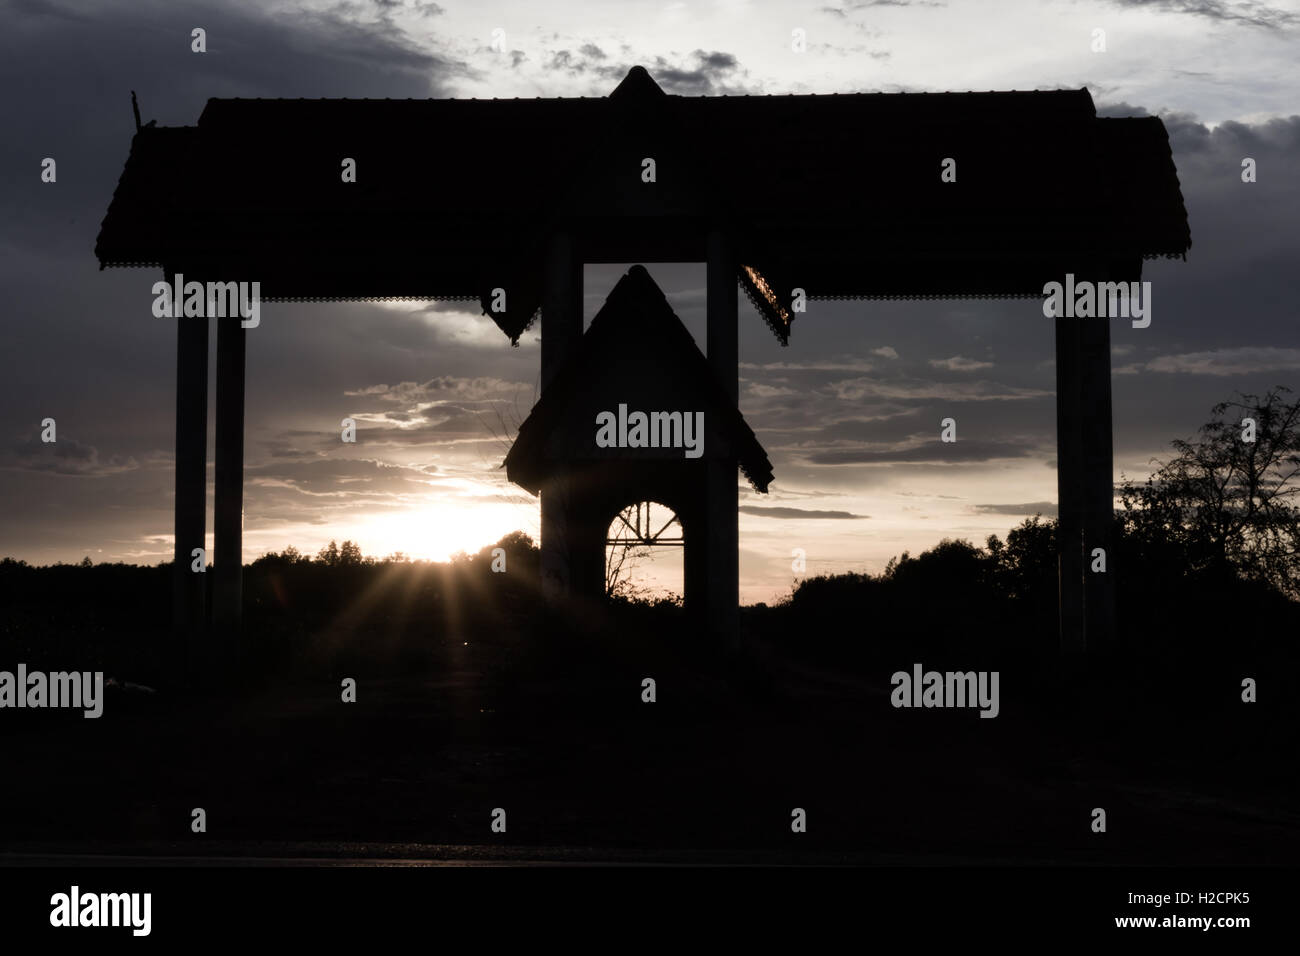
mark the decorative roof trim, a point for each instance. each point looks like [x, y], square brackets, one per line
[760, 294]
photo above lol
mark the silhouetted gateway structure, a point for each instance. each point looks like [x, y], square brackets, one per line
[503, 201]
[668, 423]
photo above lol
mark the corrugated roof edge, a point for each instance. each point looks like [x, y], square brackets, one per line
[221, 100]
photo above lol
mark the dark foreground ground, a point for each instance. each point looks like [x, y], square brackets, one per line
[548, 723]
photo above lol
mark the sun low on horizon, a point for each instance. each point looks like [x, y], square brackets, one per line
[435, 530]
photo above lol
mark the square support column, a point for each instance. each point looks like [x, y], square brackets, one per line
[1085, 479]
[228, 507]
[1098, 479]
[188, 587]
[1069, 486]
[561, 332]
[722, 514]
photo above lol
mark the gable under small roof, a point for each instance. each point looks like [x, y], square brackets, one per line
[636, 309]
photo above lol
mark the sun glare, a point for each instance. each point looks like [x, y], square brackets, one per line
[437, 531]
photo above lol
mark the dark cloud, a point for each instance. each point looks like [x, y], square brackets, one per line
[966, 450]
[422, 7]
[721, 62]
[1227, 11]
[66, 456]
[565, 60]
[702, 74]
[1189, 138]
[1046, 508]
[698, 73]
[797, 513]
[1220, 362]
[852, 6]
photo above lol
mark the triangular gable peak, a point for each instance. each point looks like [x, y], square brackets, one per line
[638, 85]
[637, 356]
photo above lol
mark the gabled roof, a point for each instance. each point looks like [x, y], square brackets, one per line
[838, 195]
[636, 315]
[135, 228]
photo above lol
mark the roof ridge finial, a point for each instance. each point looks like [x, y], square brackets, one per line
[638, 84]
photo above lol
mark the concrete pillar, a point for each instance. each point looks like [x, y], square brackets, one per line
[561, 331]
[191, 480]
[228, 507]
[722, 516]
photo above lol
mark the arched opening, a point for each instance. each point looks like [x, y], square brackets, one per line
[644, 553]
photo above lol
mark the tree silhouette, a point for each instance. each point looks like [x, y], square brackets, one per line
[1228, 504]
[328, 554]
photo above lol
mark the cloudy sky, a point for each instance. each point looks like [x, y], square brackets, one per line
[848, 413]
